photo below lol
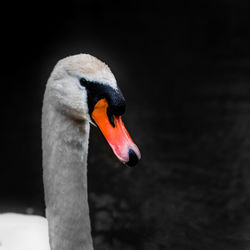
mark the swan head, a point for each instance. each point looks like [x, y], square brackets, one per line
[83, 88]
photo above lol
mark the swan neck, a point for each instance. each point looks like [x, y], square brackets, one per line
[65, 150]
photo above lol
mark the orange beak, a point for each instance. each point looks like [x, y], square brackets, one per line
[116, 134]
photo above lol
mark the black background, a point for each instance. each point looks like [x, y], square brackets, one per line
[184, 70]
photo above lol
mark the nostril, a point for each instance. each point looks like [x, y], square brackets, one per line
[133, 159]
[111, 117]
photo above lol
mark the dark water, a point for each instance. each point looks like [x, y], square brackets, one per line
[191, 189]
[184, 70]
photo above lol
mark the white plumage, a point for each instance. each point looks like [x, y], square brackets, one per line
[65, 135]
[23, 232]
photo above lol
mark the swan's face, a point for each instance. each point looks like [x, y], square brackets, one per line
[84, 88]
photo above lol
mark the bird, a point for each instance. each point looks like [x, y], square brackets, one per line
[80, 91]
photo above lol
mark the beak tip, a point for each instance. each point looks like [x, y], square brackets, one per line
[133, 158]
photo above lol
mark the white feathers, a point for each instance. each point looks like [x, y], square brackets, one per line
[23, 232]
[87, 66]
[65, 146]
[63, 90]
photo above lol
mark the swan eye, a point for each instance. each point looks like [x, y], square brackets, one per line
[83, 82]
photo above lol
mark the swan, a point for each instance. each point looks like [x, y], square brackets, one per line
[80, 91]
